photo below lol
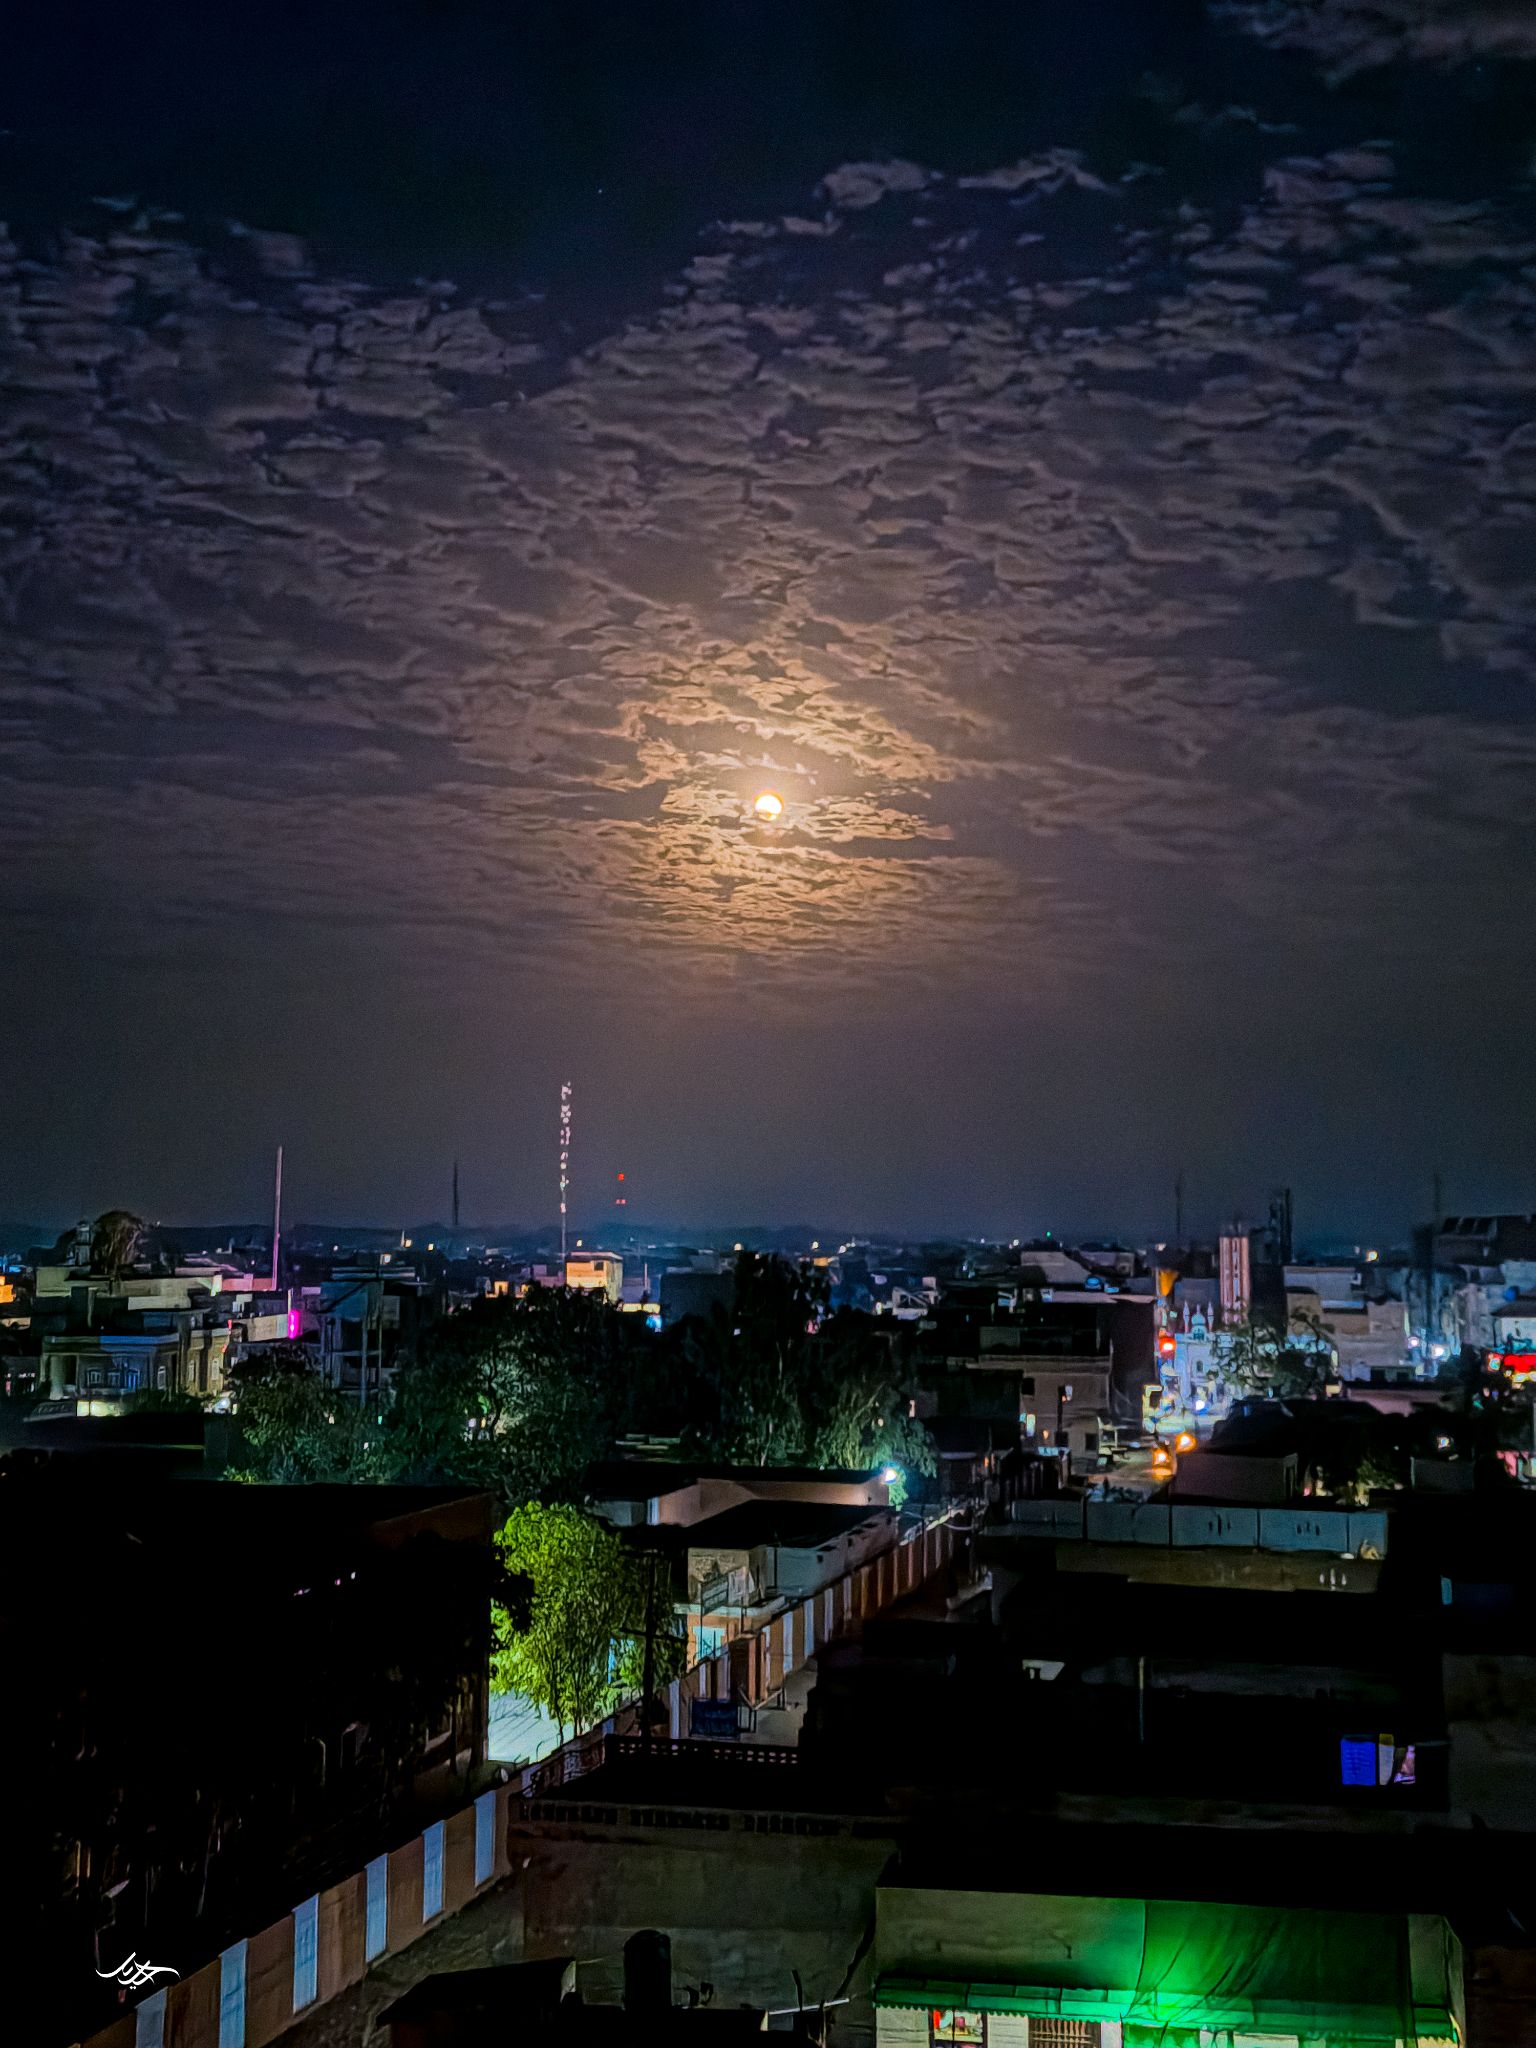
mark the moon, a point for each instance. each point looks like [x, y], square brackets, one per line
[769, 805]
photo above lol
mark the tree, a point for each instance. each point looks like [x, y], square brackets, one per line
[163, 1401]
[519, 1396]
[115, 1242]
[295, 1429]
[1260, 1359]
[580, 1644]
[777, 1380]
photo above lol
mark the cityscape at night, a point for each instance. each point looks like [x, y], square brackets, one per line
[768, 1186]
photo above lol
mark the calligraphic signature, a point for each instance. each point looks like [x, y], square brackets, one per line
[132, 1975]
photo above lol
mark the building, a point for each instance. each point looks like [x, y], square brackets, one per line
[1236, 1277]
[596, 1273]
[273, 1684]
[1368, 1332]
[687, 1292]
[1514, 1324]
[632, 1492]
[733, 1572]
[975, 1961]
[484, 2008]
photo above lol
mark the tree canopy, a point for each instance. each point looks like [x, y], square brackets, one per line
[579, 1646]
[521, 1397]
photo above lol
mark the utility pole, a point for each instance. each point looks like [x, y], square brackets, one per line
[1429, 1269]
[277, 1215]
[648, 1669]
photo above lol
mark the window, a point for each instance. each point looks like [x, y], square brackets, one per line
[232, 1997]
[149, 2021]
[948, 2029]
[1027, 1384]
[485, 1837]
[432, 1871]
[376, 1937]
[306, 1953]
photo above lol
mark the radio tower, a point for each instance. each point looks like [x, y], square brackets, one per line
[565, 1157]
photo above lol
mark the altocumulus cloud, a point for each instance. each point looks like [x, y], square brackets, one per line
[1053, 539]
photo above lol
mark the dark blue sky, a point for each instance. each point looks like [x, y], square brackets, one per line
[1081, 456]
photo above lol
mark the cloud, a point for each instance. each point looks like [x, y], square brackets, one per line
[1361, 35]
[1059, 543]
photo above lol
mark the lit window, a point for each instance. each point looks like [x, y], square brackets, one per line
[306, 1953]
[485, 1837]
[376, 1937]
[149, 2021]
[432, 1871]
[232, 1997]
[948, 2029]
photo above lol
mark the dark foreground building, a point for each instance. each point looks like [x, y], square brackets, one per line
[216, 1697]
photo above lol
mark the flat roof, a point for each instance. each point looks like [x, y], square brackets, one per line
[796, 1524]
[648, 1478]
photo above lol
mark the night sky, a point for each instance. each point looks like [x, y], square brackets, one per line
[1082, 456]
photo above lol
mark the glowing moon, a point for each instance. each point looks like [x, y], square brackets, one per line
[769, 805]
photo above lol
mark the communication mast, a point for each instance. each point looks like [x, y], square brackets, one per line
[565, 1158]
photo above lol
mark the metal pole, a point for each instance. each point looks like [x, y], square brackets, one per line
[277, 1216]
[648, 1670]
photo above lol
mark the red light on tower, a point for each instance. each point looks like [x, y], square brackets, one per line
[621, 1201]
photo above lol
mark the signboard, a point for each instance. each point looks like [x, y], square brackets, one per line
[713, 1720]
[1375, 1760]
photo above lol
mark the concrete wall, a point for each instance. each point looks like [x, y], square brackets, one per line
[1254, 1570]
[1331, 1531]
[744, 1909]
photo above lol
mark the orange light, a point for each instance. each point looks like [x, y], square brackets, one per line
[1184, 1443]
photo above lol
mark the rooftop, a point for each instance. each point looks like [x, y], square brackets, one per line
[795, 1524]
[648, 1478]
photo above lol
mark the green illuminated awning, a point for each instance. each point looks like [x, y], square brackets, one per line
[1352, 1977]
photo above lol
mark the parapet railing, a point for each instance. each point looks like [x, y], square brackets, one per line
[1186, 1525]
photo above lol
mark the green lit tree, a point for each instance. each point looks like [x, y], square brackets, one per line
[579, 1647]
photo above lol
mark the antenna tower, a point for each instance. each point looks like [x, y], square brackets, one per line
[565, 1158]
